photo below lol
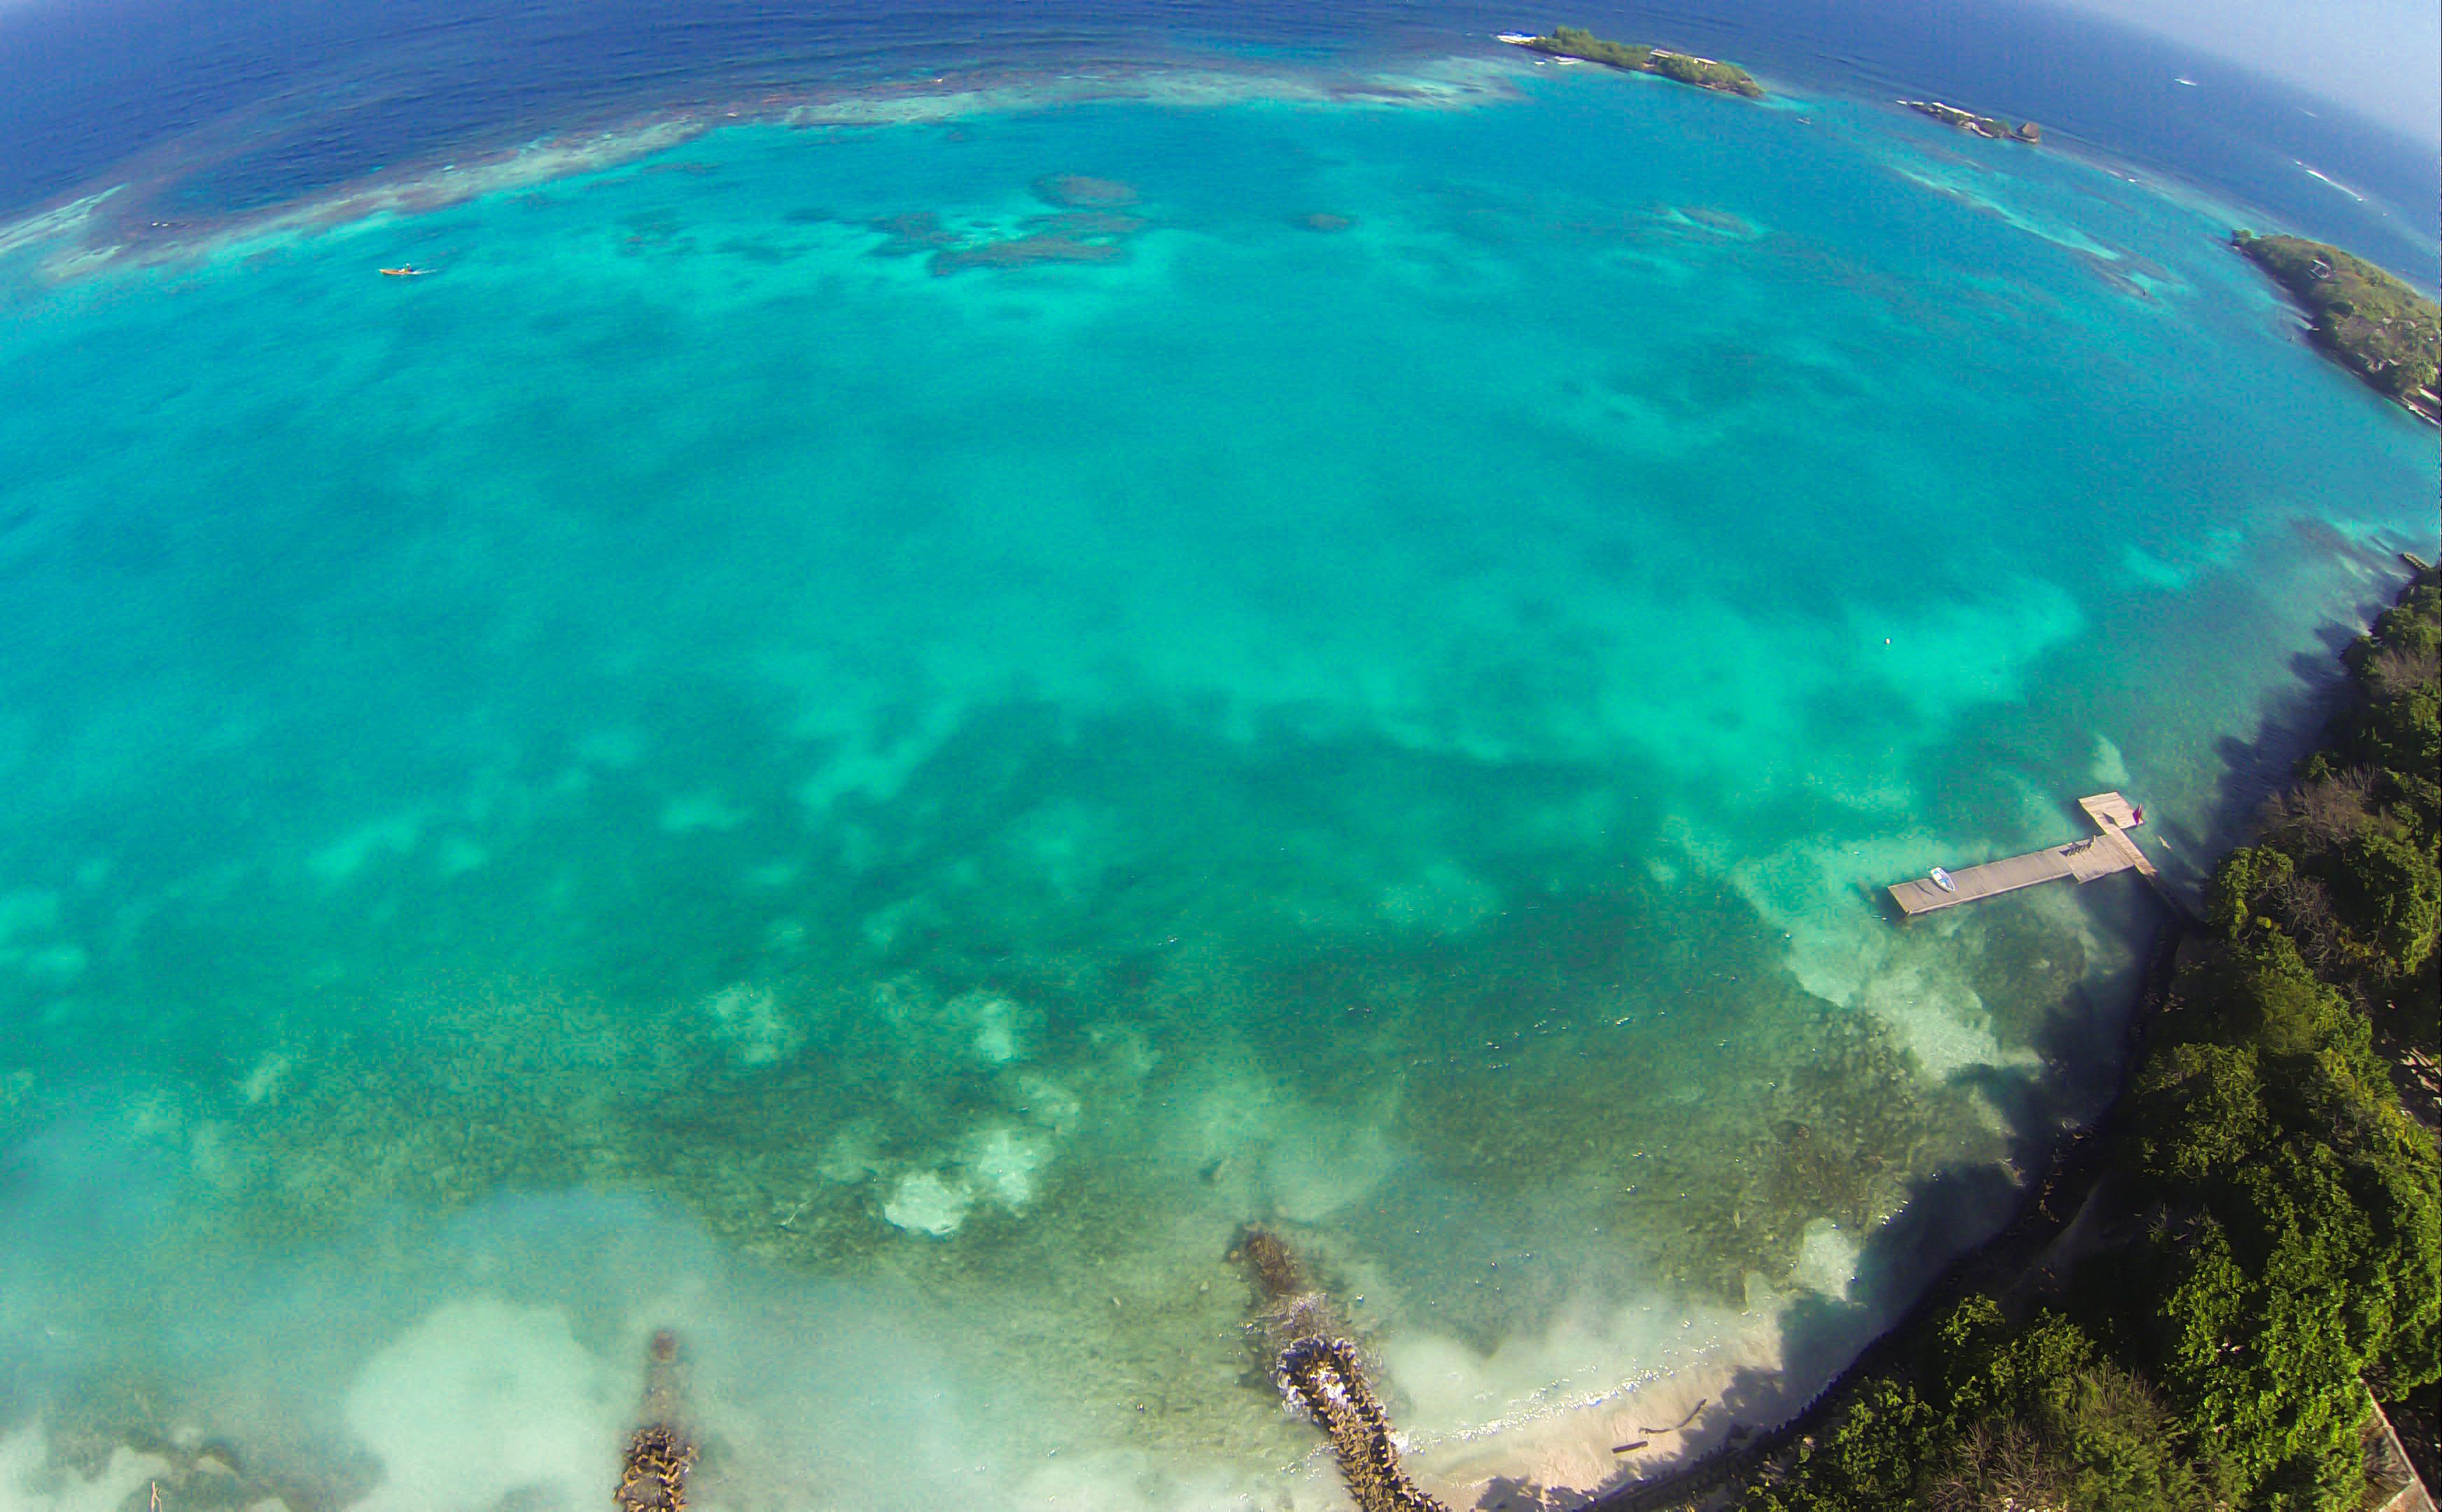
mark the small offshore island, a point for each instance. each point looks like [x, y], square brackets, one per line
[1573, 42]
[1967, 121]
[2370, 322]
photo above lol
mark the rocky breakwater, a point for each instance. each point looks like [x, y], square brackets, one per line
[1317, 1370]
[653, 1476]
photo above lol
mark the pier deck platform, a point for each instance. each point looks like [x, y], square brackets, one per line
[2102, 854]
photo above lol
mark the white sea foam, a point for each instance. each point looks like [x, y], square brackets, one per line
[1549, 1408]
[2316, 173]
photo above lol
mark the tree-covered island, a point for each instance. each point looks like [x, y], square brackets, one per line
[1967, 121]
[1572, 42]
[2376, 326]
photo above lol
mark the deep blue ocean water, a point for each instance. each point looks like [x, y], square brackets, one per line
[862, 729]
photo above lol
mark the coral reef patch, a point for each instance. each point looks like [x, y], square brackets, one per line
[1024, 251]
[1079, 192]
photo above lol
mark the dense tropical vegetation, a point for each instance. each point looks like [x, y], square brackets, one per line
[2269, 1235]
[1572, 42]
[2382, 329]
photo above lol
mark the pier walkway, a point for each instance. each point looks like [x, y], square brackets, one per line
[2098, 855]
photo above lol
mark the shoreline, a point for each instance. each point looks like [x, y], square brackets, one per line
[1566, 1457]
[2377, 356]
[2053, 1227]
[2048, 1209]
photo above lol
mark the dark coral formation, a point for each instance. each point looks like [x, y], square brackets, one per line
[1087, 224]
[1018, 251]
[1078, 191]
[911, 233]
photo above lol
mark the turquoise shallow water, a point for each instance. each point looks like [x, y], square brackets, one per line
[841, 743]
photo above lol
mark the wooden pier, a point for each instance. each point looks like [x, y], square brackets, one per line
[2107, 851]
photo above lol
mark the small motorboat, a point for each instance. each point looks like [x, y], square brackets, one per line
[1941, 879]
[406, 271]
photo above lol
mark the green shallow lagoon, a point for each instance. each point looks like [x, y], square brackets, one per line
[838, 742]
